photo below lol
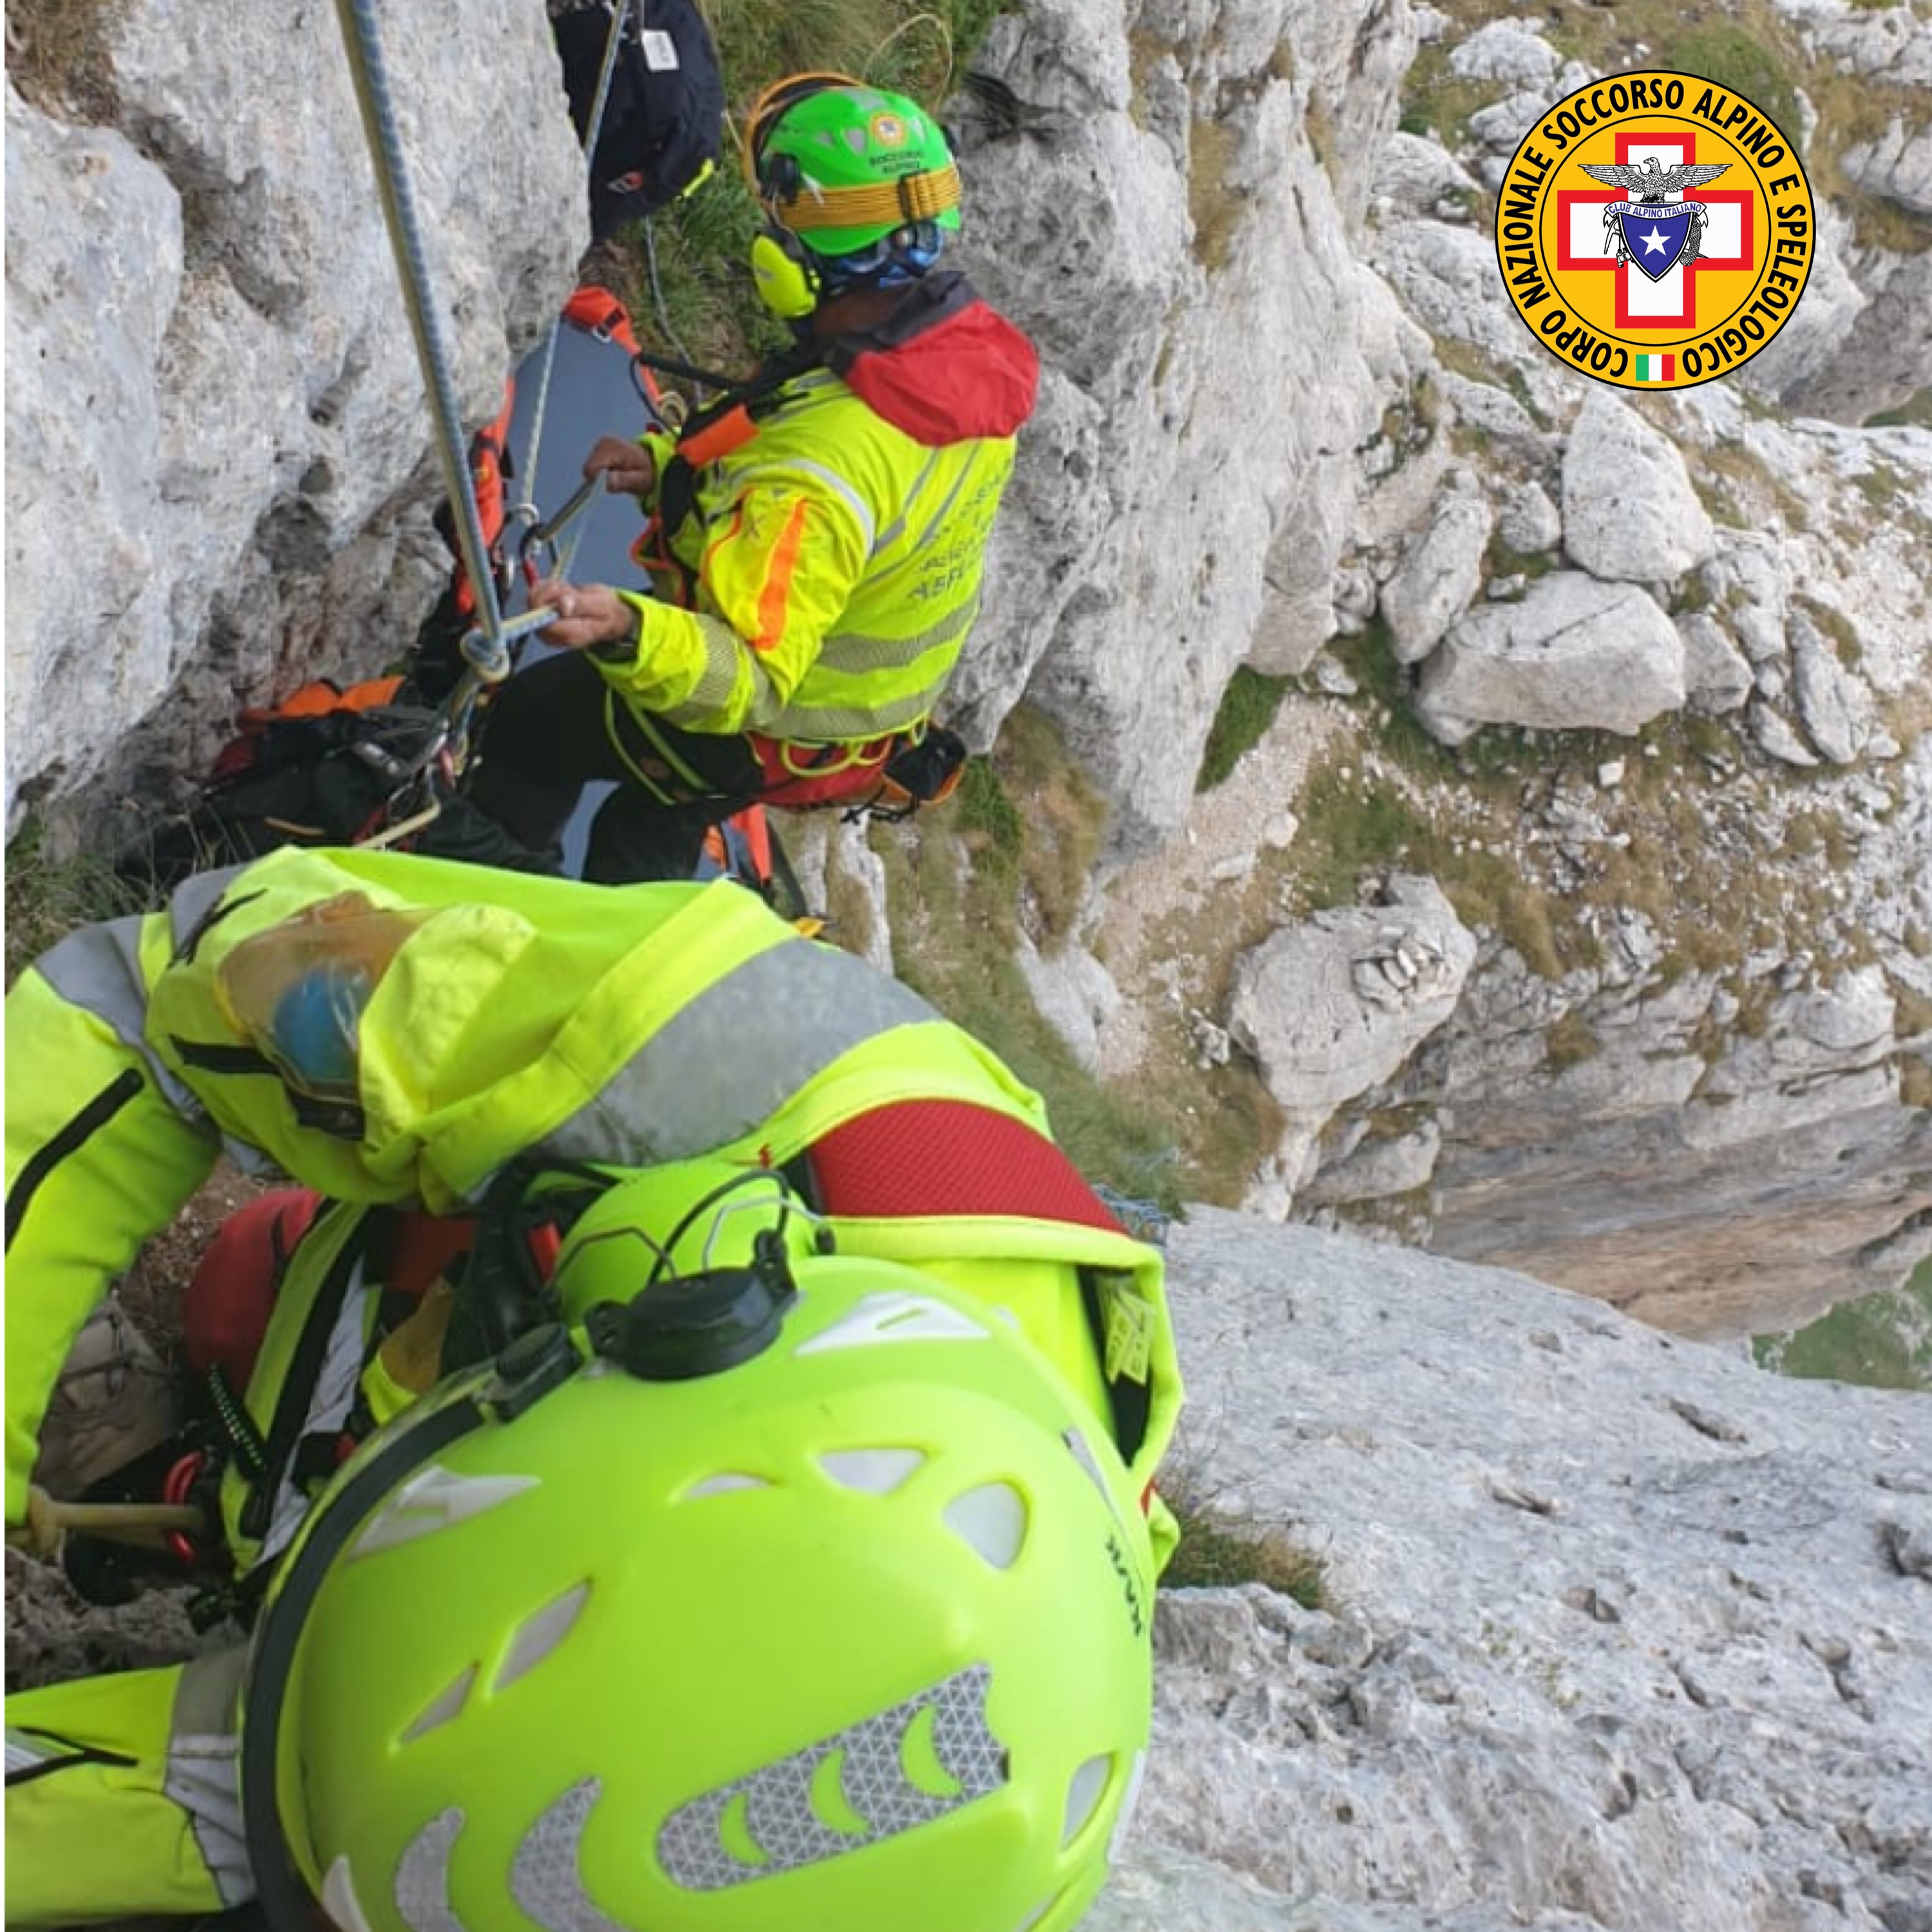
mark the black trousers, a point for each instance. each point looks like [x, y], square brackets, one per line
[545, 737]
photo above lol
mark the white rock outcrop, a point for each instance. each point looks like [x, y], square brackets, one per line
[1621, 1632]
[1576, 654]
[1330, 1007]
[1629, 512]
[1439, 575]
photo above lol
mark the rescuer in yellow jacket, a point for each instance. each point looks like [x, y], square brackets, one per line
[816, 541]
[756, 1528]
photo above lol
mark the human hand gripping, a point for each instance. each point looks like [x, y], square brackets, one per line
[623, 466]
[586, 614]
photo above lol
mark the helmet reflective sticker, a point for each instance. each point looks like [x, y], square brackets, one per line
[546, 1877]
[422, 1877]
[785, 1825]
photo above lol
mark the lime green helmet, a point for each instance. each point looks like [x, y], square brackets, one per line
[852, 1633]
[844, 165]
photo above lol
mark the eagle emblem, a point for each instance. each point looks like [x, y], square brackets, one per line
[1650, 230]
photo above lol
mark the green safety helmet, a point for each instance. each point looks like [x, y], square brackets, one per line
[844, 165]
[850, 1632]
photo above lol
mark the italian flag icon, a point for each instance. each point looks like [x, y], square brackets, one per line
[1656, 368]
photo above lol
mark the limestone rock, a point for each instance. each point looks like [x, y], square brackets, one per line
[184, 479]
[1588, 1587]
[1331, 1007]
[1629, 511]
[1417, 176]
[1075, 993]
[1833, 705]
[1376, 1170]
[1750, 582]
[1437, 578]
[1897, 163]
[1507, 51]
[1530, 522]
[1576, 654]
[1717, 674]
[1774, 736]
[1717, 1178]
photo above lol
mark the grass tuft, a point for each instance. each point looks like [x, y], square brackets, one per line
[48, 897]
[57, 56]
[1247, 709]
[1217, 1554]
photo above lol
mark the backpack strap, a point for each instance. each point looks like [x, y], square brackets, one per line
[721, 427]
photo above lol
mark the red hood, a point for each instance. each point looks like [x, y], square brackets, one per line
[949, 368]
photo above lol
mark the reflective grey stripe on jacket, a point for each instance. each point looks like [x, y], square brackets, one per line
[98, 969]
[726, 1063]
[852, 653]
[202, 1775]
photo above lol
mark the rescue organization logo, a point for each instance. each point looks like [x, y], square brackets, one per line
[1654, 230]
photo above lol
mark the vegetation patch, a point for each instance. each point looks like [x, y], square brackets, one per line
[48, 897]
[1217, 1553]
[1215, 208]
[1916, 412]
[1247, 709]
[57, 55]
[1881, 1341]
[1057, 844]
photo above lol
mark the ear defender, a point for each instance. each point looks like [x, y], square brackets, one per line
[787, 283]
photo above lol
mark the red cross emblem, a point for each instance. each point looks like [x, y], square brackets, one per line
[1670, 302]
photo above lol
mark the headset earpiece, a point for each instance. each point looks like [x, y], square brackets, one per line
[780, 178]
[787, 283]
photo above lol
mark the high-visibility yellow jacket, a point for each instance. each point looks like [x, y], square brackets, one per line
[832, 562]
[486, 1014]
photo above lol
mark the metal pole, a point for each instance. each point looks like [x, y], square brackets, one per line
[363, 41]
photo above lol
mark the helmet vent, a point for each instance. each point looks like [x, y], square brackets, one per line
[434, 1498]
[897, 1317]
[445, 1706]
[724, 1483]
[538, 1635]
[877, 1471]
[1090, 1464]
[339, 1900]
[1123, 1819]
[1084, 1796]
[992, 1521]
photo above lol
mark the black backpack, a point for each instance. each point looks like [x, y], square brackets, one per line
[664, 118]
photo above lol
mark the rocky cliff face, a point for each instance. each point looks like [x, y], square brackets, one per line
[1683, 817]
[215, 424]
[1677, 646]
[1622, 1632]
